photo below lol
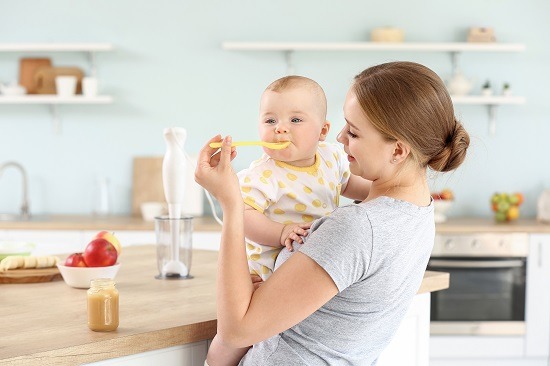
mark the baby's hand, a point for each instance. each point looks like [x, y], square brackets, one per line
[294, 232]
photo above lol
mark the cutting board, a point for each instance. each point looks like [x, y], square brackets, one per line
[31, 275]
[27, 69]
[44, 78]
[147, 186]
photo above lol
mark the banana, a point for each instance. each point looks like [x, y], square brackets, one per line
[24, 262]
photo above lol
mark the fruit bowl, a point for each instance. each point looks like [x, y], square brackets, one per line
[441, 207]
[80, 277]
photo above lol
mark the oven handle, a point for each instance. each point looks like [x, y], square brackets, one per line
[452, 263]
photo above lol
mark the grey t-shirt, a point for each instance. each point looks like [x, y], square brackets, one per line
[376, 254]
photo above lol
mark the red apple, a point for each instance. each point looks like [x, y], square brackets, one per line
[75, 260]
[111, 238]
[100, 253]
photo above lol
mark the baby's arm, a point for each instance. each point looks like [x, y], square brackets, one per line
[357, 188]
[261, 229]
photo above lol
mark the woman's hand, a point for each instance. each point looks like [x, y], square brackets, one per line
[215, 174]
[294, 232]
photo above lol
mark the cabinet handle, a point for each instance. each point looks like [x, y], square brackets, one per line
[540, 254]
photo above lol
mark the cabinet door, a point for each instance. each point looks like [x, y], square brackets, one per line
[49, 241]
[537, 309]
[410, 345]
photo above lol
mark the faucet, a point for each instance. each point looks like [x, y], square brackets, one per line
[25, 204]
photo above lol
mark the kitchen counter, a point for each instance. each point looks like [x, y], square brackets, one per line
[468, 225]
[90, 222]
[207, 223]
[45, 323]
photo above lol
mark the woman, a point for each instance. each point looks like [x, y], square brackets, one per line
[342, 294]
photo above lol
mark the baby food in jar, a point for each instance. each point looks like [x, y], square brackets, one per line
[103, 305]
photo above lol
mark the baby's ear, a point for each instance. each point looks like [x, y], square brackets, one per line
[324, 131]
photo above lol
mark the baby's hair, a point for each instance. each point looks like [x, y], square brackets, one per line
[292, 81]
[409, 102]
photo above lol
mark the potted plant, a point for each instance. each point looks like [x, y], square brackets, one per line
[506, 89]
[486, 89]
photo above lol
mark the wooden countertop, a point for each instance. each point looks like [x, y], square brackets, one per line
[207, 223]
[45, 323]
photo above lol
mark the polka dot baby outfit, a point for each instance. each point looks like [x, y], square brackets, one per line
[288, 194]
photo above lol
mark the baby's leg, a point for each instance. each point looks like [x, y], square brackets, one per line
[221, 355]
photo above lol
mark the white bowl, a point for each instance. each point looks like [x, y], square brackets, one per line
[80, 277]
[440, 209]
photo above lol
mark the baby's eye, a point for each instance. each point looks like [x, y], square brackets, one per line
[296, 120]
[270, 121]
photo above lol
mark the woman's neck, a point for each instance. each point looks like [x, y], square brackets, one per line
[411, 187]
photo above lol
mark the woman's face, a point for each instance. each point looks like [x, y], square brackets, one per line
[369, 154]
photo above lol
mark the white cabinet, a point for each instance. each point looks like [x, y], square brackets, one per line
[68, 241]
[49, 242]
[537, 309]
[192, 354]
[410, 345]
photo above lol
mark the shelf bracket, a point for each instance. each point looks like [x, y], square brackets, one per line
[492, 109]
[454, 61]
[289, 58]
[55, 119]
[92, 62]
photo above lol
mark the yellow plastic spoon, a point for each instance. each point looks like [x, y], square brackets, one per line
[269, 145]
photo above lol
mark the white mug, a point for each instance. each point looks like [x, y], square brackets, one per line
[89, 86]
[65, 85]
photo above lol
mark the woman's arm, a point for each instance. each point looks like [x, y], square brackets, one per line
[357, 188]
[296, 290]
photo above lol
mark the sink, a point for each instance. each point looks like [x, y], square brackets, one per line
[13, 217]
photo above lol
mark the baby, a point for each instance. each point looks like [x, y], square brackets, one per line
[285, 190]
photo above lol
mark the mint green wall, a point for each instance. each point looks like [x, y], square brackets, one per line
[169, 69]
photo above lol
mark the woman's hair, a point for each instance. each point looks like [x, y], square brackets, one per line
[409, 102]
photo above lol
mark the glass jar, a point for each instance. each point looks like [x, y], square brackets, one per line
[102, 305]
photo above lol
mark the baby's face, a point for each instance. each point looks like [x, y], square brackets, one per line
[294, 115]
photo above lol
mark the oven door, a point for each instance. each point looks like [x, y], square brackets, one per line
[486, 296]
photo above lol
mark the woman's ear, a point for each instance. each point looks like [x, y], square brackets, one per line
[324, 131]
[400, 152]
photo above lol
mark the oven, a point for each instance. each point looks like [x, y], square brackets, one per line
[486, 295]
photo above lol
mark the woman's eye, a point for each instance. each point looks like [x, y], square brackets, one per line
[296, 120]
[351, 134]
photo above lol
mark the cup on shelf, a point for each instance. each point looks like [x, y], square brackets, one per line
[150, 210]
[65, 85]
[89, 86]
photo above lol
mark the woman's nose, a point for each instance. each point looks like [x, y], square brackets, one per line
[340, 136]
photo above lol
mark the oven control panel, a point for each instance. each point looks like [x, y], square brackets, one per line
[482, 245]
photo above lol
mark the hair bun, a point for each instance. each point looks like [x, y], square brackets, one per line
[454, 151]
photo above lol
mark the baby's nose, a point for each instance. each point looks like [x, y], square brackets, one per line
[281, 129]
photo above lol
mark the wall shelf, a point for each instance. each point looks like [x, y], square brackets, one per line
[53, 101]
[374, 46]
[454, 48]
